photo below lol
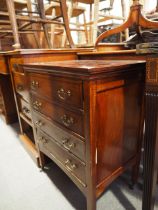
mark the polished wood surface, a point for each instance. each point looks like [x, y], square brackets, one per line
[7, 103]
[73, 164]
[151, 134]
[21, 93]
[63, 136]
[3, 65]
[67, 91]
[110, 55]
[150, 152]
[111, 139]
[25, 109]
[21, 85]
[64, 116]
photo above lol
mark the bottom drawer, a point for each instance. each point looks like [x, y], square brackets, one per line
[72, 164]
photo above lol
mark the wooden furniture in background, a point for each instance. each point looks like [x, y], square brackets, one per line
[91, 146]
[7, 103]
[93, 31]
[73, 10]
[95, 16]
[29, 18]
[135, 19]
[64, 15]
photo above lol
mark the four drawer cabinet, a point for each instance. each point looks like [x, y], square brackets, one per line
[88, 118]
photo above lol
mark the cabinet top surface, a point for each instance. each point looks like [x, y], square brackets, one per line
[83, 66]
[45, 51]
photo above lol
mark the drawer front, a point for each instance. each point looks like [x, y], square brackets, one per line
[71, 120]
[55, 152]
[67, 140]
[54, 88]
[21, 85]
[25, 108]
[3, 66]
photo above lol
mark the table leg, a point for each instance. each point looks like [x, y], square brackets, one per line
[12, 16]
[151, 135]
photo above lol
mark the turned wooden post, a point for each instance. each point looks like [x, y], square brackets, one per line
[12, 16]
[96, 17]
[66, 22]
[45, 26]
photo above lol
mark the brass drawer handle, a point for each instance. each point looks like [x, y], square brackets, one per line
[63, 94]
[65, 140]
[71, 145]
[67, 121]
[25, 110]
[37, 105]
[43, 140]
[67, 161]
[73, 166]
[20, 87]
[67, 144]
[35, 84]
[69, 165]
[39, 123]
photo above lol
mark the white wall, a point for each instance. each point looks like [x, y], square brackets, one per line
[150, 5]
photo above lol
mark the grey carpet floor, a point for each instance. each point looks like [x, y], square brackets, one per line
[23, 186]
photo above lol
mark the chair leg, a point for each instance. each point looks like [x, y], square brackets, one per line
[45, 27]
[91, 27]
[66, 22]
[29, 6]
[85, 28]
[52, 28]
[96, 17]
[12, 17]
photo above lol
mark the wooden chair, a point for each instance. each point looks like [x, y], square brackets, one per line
[64, 16]
[73, 10]
[28, 18]
[20, 20]
[12, 21]
[95, 16]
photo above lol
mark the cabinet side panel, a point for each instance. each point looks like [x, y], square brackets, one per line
[117, 125]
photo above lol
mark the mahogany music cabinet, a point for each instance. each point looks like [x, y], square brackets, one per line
[87, 117]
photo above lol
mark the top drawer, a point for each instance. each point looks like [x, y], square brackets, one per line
[20, 83]
[54, 88]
